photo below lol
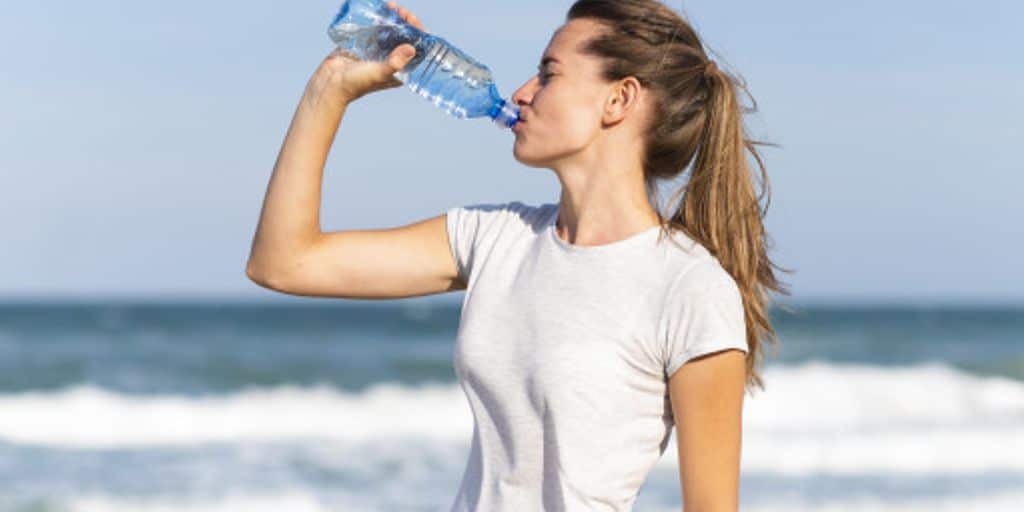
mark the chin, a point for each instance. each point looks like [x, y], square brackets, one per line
[526, 158]
[551, 157]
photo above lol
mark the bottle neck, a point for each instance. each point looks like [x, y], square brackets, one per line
[505, 114]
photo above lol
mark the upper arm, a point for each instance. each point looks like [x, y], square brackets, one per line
[406, 261]
[707, 403]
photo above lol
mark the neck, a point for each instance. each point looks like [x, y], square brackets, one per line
[597, 208]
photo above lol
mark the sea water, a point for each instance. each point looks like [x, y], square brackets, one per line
[312, 406]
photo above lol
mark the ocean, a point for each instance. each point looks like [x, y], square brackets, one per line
[353, 406]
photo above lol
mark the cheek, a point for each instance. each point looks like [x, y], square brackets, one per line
[578, 111]
[566, 119]
[565, 116]
[572, 127]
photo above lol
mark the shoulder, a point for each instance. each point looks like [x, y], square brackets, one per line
[703, 313]
[703, 275]
[528, 214]
[699, 286]
[476, 230]
[692, 267]
[500, 209]
[483, 217]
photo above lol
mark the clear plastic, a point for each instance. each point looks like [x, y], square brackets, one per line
[440, 72]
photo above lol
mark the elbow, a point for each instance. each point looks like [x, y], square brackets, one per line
[250, 271]
[262, 277]
[273, 268]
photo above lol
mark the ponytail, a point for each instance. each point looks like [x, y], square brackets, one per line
[720, 209]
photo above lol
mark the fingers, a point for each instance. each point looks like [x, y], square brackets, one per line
[406, 14]
[401, 56]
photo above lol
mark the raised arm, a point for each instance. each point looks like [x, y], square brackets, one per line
[289, 251]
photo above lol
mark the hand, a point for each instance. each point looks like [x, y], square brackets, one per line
[353, 78]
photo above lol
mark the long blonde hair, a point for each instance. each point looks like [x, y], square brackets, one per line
[700, 122]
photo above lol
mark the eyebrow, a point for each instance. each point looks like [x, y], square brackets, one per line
[546, 60]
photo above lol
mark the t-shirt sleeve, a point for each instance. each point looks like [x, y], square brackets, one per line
[471, 229]
[703, 317]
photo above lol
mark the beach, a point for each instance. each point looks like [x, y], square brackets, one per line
[351, 406]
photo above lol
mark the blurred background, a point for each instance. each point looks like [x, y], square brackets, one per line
[140, 370]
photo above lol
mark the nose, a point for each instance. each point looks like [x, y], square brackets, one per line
[524, 94]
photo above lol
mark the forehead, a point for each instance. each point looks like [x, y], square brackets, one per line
[567, 39]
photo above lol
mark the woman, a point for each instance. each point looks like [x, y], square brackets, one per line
[591, 326]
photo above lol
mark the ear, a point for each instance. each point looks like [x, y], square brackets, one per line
[623, 99]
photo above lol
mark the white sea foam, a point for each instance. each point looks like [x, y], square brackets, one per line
[853, 419]
[290, 501]
[85, 416]
[991, 502]
[850, 419]
[298, 501]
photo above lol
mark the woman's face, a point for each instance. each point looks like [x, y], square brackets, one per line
[562, 105]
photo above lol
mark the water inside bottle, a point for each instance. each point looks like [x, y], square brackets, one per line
[440, 72]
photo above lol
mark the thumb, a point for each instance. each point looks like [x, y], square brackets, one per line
[401, 56]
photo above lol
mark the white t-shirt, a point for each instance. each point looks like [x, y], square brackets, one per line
[564, 353]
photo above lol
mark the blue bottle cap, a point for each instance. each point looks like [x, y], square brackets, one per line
[506, 114]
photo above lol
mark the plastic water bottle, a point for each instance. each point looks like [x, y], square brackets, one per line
[440, 72]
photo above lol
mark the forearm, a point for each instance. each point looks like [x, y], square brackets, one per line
[290, 218]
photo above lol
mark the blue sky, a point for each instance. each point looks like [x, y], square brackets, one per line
[138, 137]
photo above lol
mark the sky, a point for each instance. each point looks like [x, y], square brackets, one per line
[137, 140]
